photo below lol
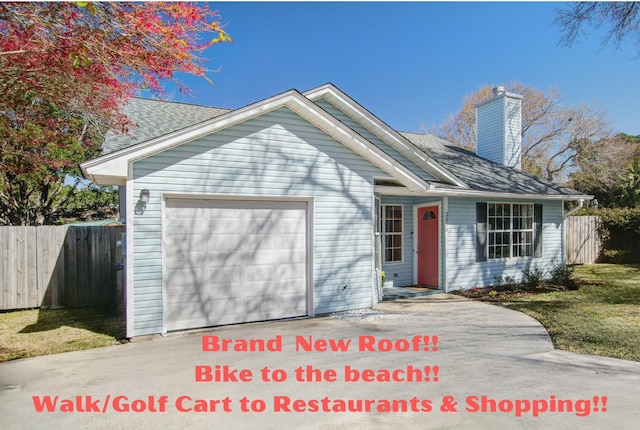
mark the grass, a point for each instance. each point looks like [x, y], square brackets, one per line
[601, 317]
[29, 333]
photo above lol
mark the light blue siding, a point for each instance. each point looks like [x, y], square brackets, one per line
[498, 130]
[351, 123]
[276, 154]
[490, 123]
[512, 142]
[462, 269]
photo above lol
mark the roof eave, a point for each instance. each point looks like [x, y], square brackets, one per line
[450, 192]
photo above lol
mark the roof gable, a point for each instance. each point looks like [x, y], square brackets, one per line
[366, 119]
[113, 168]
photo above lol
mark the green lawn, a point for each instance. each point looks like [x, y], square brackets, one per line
[602, 317]
[30, 333]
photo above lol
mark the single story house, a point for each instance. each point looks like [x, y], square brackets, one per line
[294, 205]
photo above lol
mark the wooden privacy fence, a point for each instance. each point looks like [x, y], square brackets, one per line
[56, 266]
[584, 244]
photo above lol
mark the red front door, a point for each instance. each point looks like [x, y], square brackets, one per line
[428, 221]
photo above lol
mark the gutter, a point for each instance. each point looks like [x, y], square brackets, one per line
[450, 192]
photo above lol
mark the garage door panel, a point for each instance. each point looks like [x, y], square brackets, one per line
[290, 272]
[180, 276]
[186, 258]
[235, 258]
[199, 239]
[252, 284]
[210, 310]
[233, 261]
[230, 318]
[226, 298]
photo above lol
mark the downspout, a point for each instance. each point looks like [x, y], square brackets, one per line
[574, 210]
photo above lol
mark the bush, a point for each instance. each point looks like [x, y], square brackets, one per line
[503, 281]
[618, 256]
[563, 275]
[533, 276]
[621, 230]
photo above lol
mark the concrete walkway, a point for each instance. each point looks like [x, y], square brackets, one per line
[495, 369]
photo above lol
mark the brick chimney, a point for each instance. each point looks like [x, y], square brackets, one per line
[498, 128]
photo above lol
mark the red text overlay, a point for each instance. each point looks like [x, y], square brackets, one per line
[352, 366]
[287, 404]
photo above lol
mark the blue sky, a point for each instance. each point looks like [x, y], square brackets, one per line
[411, 64]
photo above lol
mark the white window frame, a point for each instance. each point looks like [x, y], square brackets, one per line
[508, 233]
[386, 234]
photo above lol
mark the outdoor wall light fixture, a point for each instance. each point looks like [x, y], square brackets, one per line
[141, 204]
[144, 196]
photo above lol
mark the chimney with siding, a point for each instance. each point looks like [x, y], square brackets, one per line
[498, 128]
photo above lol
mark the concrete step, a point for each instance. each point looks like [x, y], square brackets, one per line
[395, 293]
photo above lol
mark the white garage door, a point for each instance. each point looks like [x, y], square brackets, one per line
[229, 261]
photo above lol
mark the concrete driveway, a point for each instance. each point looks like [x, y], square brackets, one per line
[493, 368]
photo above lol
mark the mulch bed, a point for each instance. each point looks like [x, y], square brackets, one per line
[508, 292]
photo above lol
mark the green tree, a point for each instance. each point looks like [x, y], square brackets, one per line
[601, 172]
[78, 201]
[628, 191]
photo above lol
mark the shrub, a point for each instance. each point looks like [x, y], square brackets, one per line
[618, 256]
[500, 281]
[620, 228]
[510, 280]
[533, 276]
[563, 275]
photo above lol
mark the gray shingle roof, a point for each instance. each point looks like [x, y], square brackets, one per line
[481, 174]
[155, 118]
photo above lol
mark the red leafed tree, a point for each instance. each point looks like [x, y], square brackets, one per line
[66, 69]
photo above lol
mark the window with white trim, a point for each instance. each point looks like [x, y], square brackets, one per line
[510, 229]
[392, 233]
